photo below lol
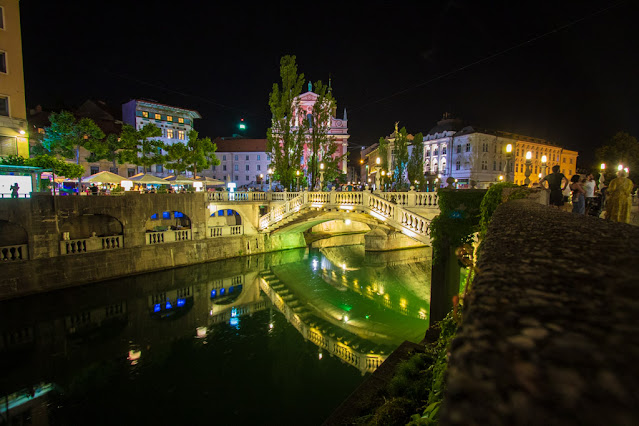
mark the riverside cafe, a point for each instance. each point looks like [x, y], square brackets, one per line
[27, 178]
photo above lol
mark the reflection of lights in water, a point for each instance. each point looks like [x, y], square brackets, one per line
[344, 266]
[345, 318]
[403, 303]
[211, 312]
[134, 356]
[233, 312]
[235, 322]
[355, 283]
[422, 313]
[381, 289]
[200, 332]
[320, 355]
[387, 297]
[314, 264]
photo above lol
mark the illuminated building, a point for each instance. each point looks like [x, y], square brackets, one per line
[13, 113]
[175, 123]
[243, 161]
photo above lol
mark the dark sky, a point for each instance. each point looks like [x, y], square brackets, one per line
[566, 71]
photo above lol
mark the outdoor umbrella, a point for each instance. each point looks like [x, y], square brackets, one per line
[179, 180]
[209, 181]
[104, 177]
[147, 178]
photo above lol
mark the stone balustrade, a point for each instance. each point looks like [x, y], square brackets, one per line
[168, 236]
[225, 231]
[15, 252]
[84, 245]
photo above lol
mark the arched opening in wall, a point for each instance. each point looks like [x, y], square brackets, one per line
[85, 226]
[167, 220]
[225, 217]
[13, 241]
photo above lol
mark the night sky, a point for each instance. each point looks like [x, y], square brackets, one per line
[566, 71]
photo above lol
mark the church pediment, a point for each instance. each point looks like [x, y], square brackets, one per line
[308, 96]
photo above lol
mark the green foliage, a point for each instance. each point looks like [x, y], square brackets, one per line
[59, 167]
[139, 148]
[458, 220]
[415, 168]
[196, 154]
[106, 149]
[66, 135]
[494, 198]
[400, 157]
[622, 148]
[393, 413]
[285, 142]
[382, 153]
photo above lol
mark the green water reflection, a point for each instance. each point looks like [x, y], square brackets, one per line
[212, 343]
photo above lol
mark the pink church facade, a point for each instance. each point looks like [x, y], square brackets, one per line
[338, 130]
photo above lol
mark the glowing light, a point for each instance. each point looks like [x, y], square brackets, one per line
[168, 305]
[270, 326]
[346, 207]
[603, 166]
[180, 302]
[378, 161]
[345, 318]
[544, 158]
[134, 355]
[409, 233]
[620, 167]
[509, 148]
[321, 166]
[22, 132]
[347, 222]
[528, 155]
[297, 173]
[234, 321]
[539, 175]
[319, 355]
[626, 170]
[200, 332]
[501, 177]
[212, 208]
[403, 303]
[317, 205]
[157, 308]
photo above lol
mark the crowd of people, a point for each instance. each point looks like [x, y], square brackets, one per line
[612, 200]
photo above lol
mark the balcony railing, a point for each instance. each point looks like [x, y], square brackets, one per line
[170, 236]
[84, 245]
[17, 252]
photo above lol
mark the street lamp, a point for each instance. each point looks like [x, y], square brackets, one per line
[528, 168]
[501, 178]
[509, 154]
[321, 176]
[383, 178]
[544, 166]
[298, 180]
[270, 179]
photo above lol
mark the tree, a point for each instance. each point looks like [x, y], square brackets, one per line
[622, 148]
[66, 135]
[415, 168]
[400, 157]
[139, 148]
[106, 149]
[45, 161]
[196, 154]
[285, 142]
[323, 146]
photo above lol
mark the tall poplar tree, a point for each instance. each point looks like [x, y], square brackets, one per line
[415, 169]
[285, 141]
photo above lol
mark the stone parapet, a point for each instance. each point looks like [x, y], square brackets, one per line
[551, 329]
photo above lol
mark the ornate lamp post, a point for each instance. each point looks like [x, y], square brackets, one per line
[270, 179]
[528, 168]
[297, 173]
[509, 154]
[544, 166]
[602, 179]
[321, 176]
[382, 180]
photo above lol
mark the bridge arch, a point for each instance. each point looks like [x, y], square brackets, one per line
[86, 225]
[169, 219]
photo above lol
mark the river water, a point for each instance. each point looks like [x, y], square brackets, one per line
[279, 339]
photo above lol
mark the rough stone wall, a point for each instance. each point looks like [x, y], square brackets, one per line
[551, 329]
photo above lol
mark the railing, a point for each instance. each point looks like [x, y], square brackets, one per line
[382, 207]
[225, 231]
[168, 236]
[251, 196]
[17, 252]
[84, 245]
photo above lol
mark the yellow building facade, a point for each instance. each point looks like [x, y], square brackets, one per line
[13, 113]
[540, 148]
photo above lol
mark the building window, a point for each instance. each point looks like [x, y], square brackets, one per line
[516, 168]
[247, 167]
[130, 172]
[247, 158]
[467, 147]
[224, 158]
[4, 106]
[3, 62]
[169, 133]
[246, 178]
[224, 168]
[494, 165]
[458, 165]
[436, 151]
[258, 158]
[458, 149]
[236, 178]
[158, 117]
[428, 151]
[145, 114]
[1, 18]
[569, 172]
[213, 168]
[571, 161]
[484, 164]
[236, 157]
[169, 118]
[236, 168]
[444, 150]
[94, 169]
[181, 135]
[159, 168]
[259, 167]
[180, 120]
[268, 157]
[41, 130]
[113, 170]
[517, 152]
[563, 160]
